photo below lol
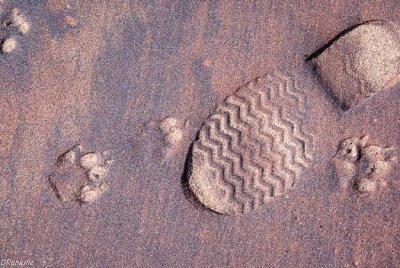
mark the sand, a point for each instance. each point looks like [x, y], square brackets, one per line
[360, 63]
[80, 178]
[253, 148]
[9, 45]
[362, 166]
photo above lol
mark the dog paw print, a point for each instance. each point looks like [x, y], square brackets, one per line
[80, 176]
[172, 131]
[362, 166]
[14, 24]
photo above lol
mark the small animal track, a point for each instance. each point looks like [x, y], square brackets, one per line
[171, 131]
[8, 45]
[360, 62]
[362, 167]
[14, 22]
[79, 176]
[253, 148]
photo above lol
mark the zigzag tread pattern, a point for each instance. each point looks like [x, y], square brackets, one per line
[253, 148]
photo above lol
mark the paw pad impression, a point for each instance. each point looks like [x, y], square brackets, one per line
[362, 166]
[79, 176]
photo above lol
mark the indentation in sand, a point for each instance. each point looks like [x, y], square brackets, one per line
[8, 45]
[15, 20]
[171, 130]
[362, 166]
[361, 62]
[253, 148]
[80, 176]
